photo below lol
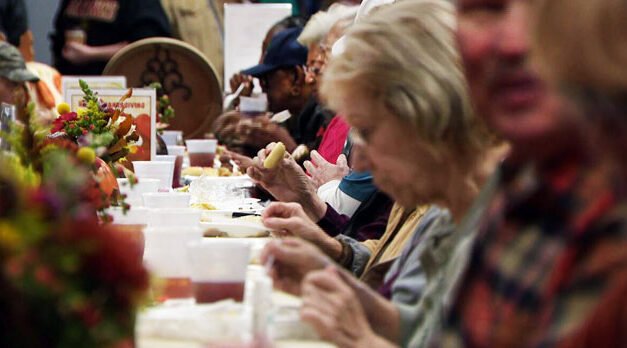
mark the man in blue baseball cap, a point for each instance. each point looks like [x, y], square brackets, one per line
[282, 72]
[282, 77]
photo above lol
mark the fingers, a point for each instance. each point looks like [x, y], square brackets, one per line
[342, 161]
[310, 167]
[317, 159]
[328, 280]
[279, 209]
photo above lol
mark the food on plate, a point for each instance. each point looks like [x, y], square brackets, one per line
[182, 189]
[192, 171]
[206, 171]
[250, 218]
[275, 156]
[203, 206]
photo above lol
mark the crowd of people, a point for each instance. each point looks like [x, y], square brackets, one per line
[455, 173]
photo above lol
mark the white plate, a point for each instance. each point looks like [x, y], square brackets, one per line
[237, 229]
[228, 179]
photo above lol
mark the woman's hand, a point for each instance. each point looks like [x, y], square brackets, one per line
[293, 259]
[287, 182]
[333, 309]
[322, 171]
[289, 219]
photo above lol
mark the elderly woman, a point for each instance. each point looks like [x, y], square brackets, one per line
[423, 145]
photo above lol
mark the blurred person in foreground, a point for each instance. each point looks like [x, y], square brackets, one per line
[87, 33]
[423, 145]
[548, 267]
[587, 69]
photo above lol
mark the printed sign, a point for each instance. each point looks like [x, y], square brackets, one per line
[142, 106]
[94, 82]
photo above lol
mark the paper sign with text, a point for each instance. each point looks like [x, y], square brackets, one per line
[94, 82]
[142, 106]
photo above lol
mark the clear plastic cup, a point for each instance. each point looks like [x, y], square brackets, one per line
[218, 269]
[166, 257]
[164, 171]
[201, 152]
[176, 174]
[172, 137]
[134, 193]
[253, 107]
[131, 223]
[179, 152]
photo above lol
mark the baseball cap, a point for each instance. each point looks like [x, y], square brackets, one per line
[12, 65]
[284, 51]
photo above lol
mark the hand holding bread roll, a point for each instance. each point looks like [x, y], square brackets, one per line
[277, 153]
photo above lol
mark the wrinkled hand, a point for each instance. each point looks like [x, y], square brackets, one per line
[258, 132]
[287, 182]
[78, 53]
[239, 79]
[224, 126]
[289, 219]
[322, 171]
[333, 309]
[243, 162]
[293, 260]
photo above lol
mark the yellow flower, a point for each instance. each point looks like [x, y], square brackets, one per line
[86, 155]
[9, 238]
[63, 108]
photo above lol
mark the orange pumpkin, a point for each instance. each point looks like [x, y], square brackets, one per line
[105, 177]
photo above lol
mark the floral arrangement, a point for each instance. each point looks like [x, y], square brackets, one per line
[110, 132]
[65, 279]
[165, 111]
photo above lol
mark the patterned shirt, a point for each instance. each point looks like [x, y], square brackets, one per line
[549, 267]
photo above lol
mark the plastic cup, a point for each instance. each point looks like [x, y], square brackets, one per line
[131, 224]
[252, 107]
[201, 152]
[174, 217]
[172, 137]
[76, 35]
[166, 257]
[134, 193]
[179, 152]
[164, 171]
[166, 199]
[218, 269]
[176, 174]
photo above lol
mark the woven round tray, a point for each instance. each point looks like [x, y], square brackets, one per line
[185, 74]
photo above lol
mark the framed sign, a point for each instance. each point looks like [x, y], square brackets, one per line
[95, 82]
[142, 106]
